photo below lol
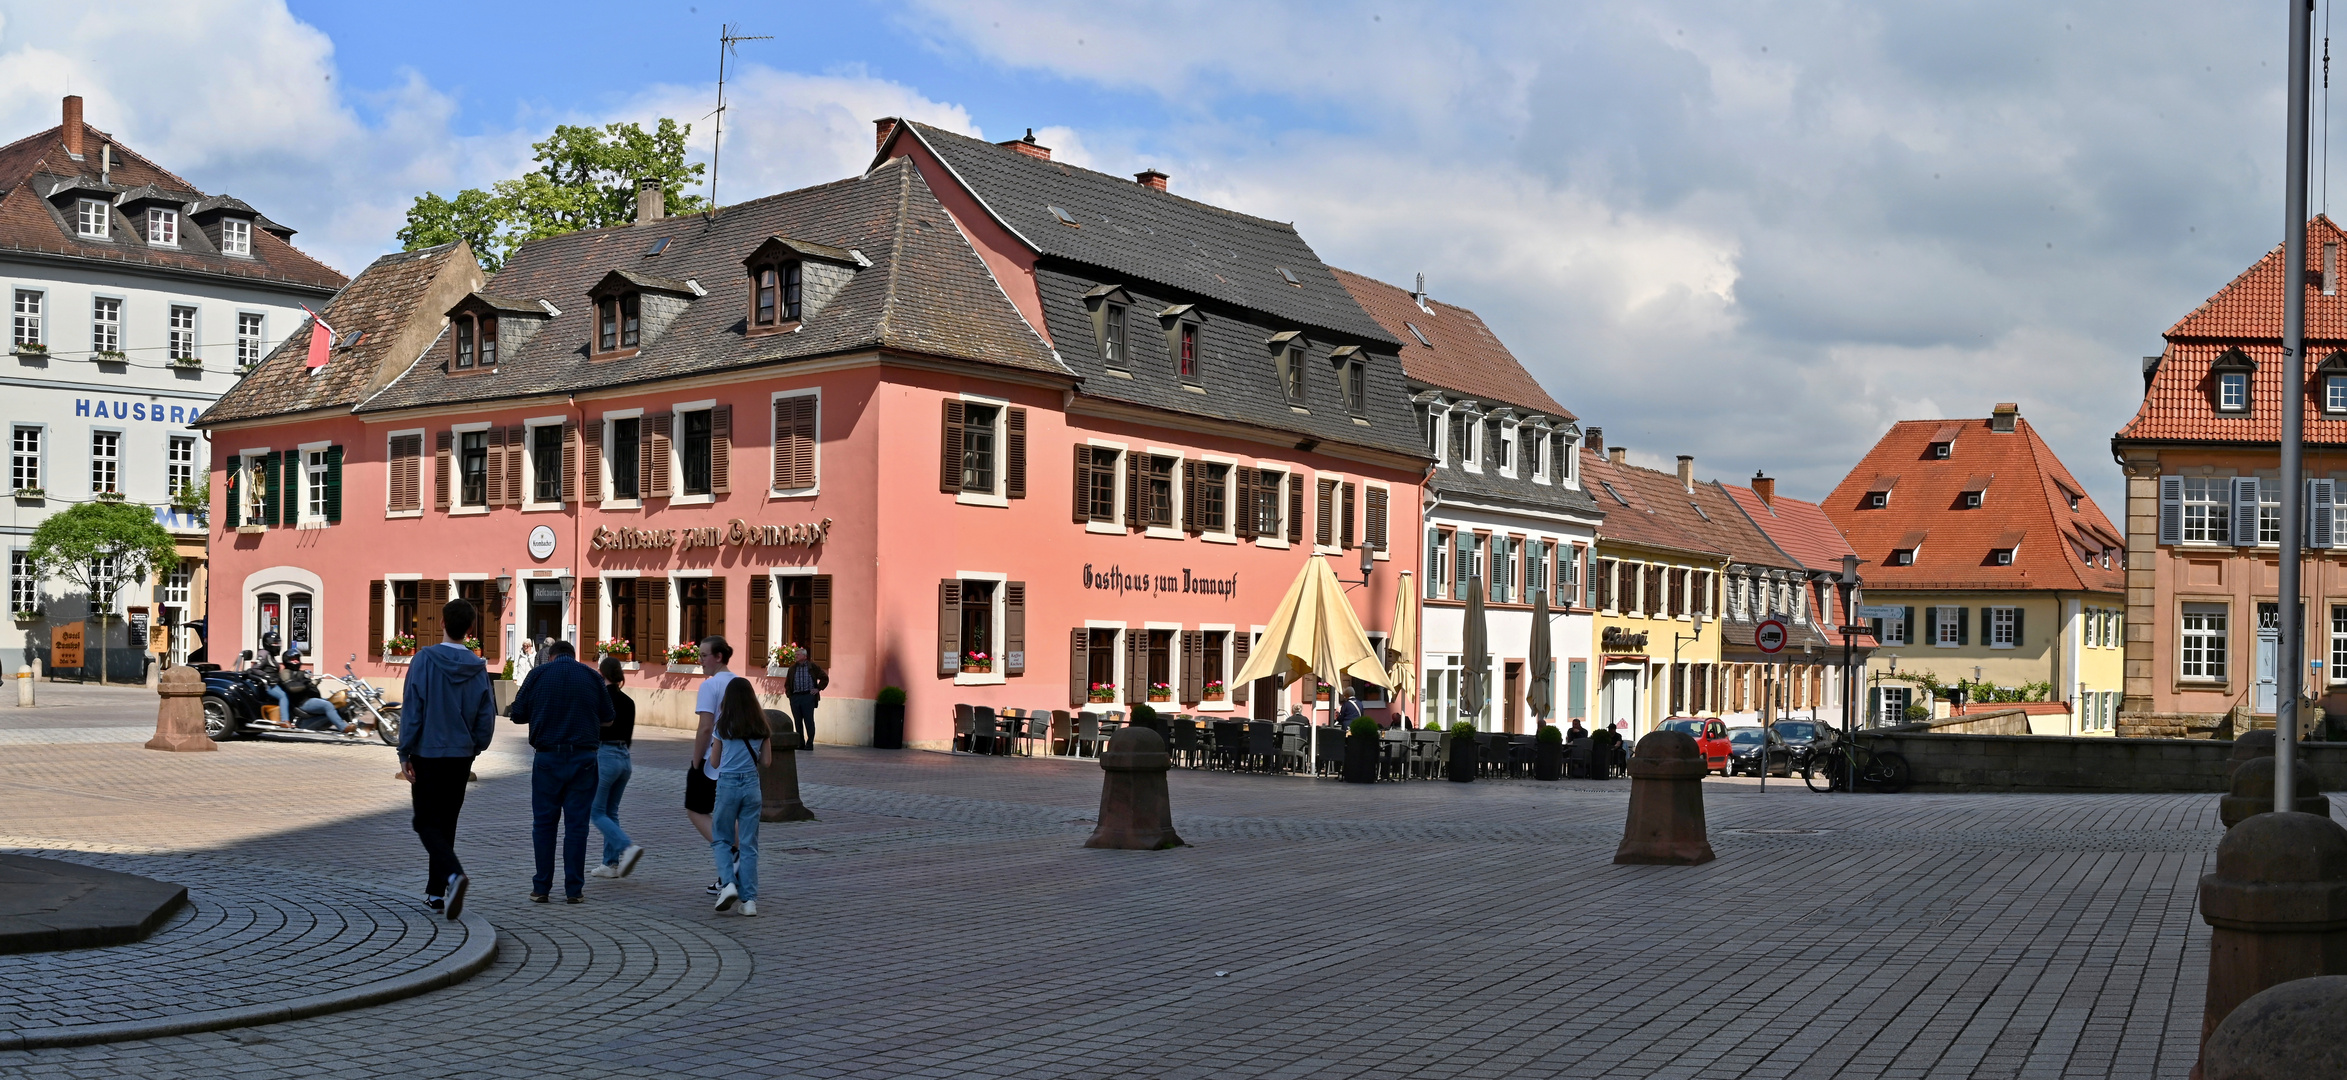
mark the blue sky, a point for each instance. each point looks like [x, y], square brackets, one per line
[1757, 231]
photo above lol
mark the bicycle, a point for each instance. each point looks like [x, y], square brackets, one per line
[1834, 767]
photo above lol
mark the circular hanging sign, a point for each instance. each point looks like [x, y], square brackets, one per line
[1768, 637]
[542, 543]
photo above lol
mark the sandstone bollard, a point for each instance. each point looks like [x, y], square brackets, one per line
[778, 784]
[1136, 812]
[179, 719]
[2284, 1032]
[2276, 908]
[24, 687]
[2253, 792]
[1666, 803]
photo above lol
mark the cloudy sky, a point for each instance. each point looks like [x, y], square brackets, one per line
[1755, 232]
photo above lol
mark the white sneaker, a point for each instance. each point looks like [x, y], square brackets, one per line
[607, 870]
[627, 859]
[726, 897]
[749, 907]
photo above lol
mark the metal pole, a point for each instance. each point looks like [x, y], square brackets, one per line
[2292, 669]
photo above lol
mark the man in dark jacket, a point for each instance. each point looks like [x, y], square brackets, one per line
[566, 705]
[805, 684]
[448, 717]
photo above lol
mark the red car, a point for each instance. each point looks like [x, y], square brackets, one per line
[1710, 735]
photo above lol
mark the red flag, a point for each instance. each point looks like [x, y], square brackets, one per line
[321, 339]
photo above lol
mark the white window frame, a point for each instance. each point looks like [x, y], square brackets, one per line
[2335, 393]
[93, 219]
[1000, 674]
[1894, 631]
[247, 460]
[37, 455]
[177, 586]
[2000, 628]
[236, 237]
[1889, 715]
[2269, 511]
[1123, 499]
[313, 479]
[1944, 626]
[1174, 499]
[2337, 669]
[251, 348]
[1229, 533]
[1116, 664]
[106, 323]
[603, 615]
[775, 443]
[113, 461]
[2201, 652]
[1438, 564]
[530, 501]
[173, 466]
[2213, 504]
[162, 226]
[2232, 391]
[456, 469]
[1000, 496]
[24, 583]
[1230, 638]
[676, 455]
[604, 474]
[1279, 537]
[183, 342]
[30, 308]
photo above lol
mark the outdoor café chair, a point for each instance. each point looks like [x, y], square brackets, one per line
[1329, 741]
[1394, 753]
[1063, 732]
[1261, 745]
[1038, 730]
[1230, 743]
[1290, 757]
[965, 726]
[1425, 751]
[989, 729]
[1088, 736]
[1184, 745]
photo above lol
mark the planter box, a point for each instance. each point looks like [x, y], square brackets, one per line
[1160, 697]
[1463, 760]
[1360, 760]
[888, 727]
[684, 669]
[1215, 695]
[1548, 760]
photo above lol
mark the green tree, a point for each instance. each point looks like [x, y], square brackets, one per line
[586, 178]
[102, 547]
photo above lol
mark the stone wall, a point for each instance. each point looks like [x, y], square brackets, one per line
[2000, 722]
[2151, 725]
[2048, 763]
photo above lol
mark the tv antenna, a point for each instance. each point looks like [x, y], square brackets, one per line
[728, 35]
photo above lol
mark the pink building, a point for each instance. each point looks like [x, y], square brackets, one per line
[963, 430]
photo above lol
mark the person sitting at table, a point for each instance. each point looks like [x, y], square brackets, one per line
[1576, 731]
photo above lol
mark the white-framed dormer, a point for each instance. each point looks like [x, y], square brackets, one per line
[1172, 529]
[676, 453]
[1466, 437]
[1502, 435]
[1532, 443]
[608, 449]
[1120, 499]
[1228, 533]
[999, 431]
[796, 469]
[533, 462]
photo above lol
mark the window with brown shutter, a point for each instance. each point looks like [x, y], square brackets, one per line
[496, 470]
[431, 596]
[1193, 682]
[374, 620]
[570, 462]
[1190, 498]
[1325, 516]
[1079, 667]
[442, 444]
[515, 439]
[652, 619]
[1296, 509]
[716, 606]
[1239, 650]
[1345, 520]
[590, 616]
[794, 442]
[1136, 493]
[949, 625]
[819, 619]
[1014, 468]
[1014, 628]
[1082, 485]
[1136, 666]
[721, 450]
[1374, 529]
[1243, 504]
[591, 462]
[657, 475]
[949, 449]
[407, 473]
[761, 588]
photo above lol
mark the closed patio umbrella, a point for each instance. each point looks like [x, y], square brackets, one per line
[1475, 644]
[1314, 631]
[1401, 645]
[1539, 689]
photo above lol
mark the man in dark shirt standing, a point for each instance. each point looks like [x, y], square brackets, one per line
[565, 704]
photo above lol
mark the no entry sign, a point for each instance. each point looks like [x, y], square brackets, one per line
[1769, 637]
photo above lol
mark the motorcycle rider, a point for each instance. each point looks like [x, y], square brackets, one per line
[295, 686]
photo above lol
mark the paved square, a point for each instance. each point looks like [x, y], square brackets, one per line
[942, 920]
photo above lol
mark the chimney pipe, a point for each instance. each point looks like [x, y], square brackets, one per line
[1029, 146]
[105, 163]
[881, 130]
[1594, 439]
[1766, 488]
[2002, 419]
[1687, 472]
[1619, 455]
[1151, 178]
[2331, 268]
[72, 129]
[650, 204]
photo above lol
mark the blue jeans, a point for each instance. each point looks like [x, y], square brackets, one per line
[733, 828]
[613, 765]
[562, 786]
[319, 706]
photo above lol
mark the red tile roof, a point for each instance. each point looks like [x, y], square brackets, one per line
[2180, 403]
[1802, 530]
[1451, 347]
[2026, 506]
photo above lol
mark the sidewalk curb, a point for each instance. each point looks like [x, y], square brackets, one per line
[479, 951]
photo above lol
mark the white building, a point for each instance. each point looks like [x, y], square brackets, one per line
[134, 301]
[1504, 505]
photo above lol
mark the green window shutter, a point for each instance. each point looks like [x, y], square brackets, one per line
[2017, 638]
[233, 513]
[333, 484]
[289, 504]
[1964, 626]
[271, 489]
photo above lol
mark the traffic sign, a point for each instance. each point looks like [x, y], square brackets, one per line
[1769, 637]
[1881, 611]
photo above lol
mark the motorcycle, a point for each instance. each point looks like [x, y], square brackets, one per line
[368, 699]
[234, 701]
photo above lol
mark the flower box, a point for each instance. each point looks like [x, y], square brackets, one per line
[109, 356]
[977, 663]
[621, 648]
[399, 646]
[1100, 693]
[1214, 695]
[31, 494]
[1156, 696]
[29, 348]
[684, 654]
[187, 362]
[27, 617]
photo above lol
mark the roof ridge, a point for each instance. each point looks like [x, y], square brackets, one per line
[1111, 177]
[896, 254]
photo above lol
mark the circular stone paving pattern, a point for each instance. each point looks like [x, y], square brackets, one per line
[252, 945]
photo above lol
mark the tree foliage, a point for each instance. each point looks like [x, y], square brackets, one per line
[103, 547]
[586, 179]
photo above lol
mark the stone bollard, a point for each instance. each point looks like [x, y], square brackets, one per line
[2276, 908]
[1666, 803]
[778, 784]
[1136, 812]
[2253, 792]
[2284, 1032]
[179, 720]
[24, 687]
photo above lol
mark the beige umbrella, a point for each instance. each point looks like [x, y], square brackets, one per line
[1401, 646]
[1314, 631]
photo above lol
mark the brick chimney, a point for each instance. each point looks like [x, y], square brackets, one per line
[1687, 472]
[650, 206]
[1619, 455]
[1594, 439]
[1151, 178]
[881, 130]
[2002, 419]
[1766, 488]
[1029, 146]
[73, 125]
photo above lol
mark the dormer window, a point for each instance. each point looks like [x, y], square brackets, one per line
[2233, 391]
[619, 322]
[1876, 500]
[1903, 557]
[1356, 382]
[1495, 443]
[2002, 556]
[92, 218]
[776, 293]
[163, 227]
[1112, 340]
[464, 342]
[1459, 430]
[476, 340]
[488, 332]
[2335, 393]
[1941, 449]
[1186, 352]
[236, 236]
[1971, 500]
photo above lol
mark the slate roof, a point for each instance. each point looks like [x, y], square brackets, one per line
[2179, 404]
[387, 297]
[2029, 494]
[1141, 233]
[33, 167]
[925, 293]
[1451, 349]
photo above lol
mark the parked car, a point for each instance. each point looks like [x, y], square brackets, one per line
[1804, 738]
[1710, 735]
[1744, 753]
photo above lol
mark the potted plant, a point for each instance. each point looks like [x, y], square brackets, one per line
[787, 655]
[888, 719]
[110, 356]
[187, 361]
[474, 644]
[30, 348]
[27, 616]
[1101, 693]
[1361, 751]
[108, 496]
[399, 646]
[1463, 759]
[976, 663]
[1548, 752]
[191, 498]
[1214, 690]
[30, 494]
[684, 654]
[1160, 691]
[618, 647]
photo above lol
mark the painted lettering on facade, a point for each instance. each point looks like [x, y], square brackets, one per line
[632, 539]
[1115, 580]
[737, 532]
[1615, 638]
[156, 413]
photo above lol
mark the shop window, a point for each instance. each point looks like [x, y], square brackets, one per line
[473, 468]
[695, 440]
[546, 463]
[626, 458]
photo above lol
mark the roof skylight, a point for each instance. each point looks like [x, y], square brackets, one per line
[1291, 276]
[1419, 334]
[1064, 217]
[657, 247]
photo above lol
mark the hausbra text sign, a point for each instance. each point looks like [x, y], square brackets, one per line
[737, 533]
[1114, 579]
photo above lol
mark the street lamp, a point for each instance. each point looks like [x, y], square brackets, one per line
[1848, 584]
[1368, 563]
[1678, 639]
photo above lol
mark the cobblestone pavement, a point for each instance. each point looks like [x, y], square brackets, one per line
[942, 920]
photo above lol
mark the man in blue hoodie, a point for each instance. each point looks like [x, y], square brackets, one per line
[447, 716]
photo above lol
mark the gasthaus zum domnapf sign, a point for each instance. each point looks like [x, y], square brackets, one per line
[736, 533]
